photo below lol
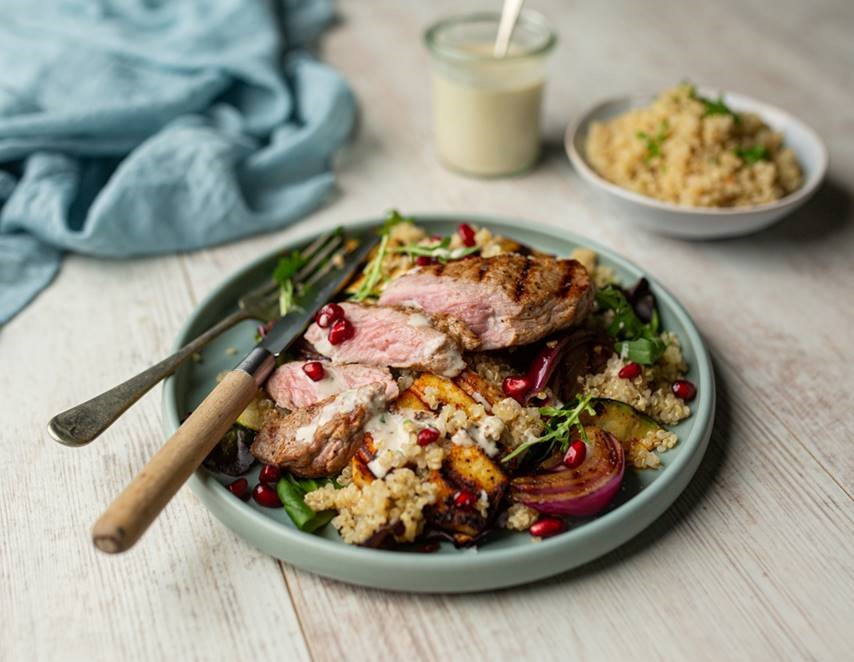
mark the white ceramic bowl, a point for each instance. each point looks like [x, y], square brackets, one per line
[703, 222]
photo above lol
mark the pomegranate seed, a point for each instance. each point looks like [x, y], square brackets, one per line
[629, 371]
[684, 389]
[266, 496]
[575, 454]
[314, 370]
[464, 499]
[239, 488]
[516, 387]
[340, 331]
[467, 234]
[547, 526]
[424, 260]
[328, 314]
[270, 474]
[427, 436]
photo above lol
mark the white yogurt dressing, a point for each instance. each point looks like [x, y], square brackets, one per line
[323, 346]
[389, 433]
[331, 384]
[417, 320]
[485, 433]
[370, 396]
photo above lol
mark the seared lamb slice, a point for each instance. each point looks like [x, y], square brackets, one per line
[454, 327]
[507, 300]
[321, 439]
[292, 389]
[398, 338]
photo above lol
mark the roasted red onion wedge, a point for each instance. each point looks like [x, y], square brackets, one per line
[579, 492]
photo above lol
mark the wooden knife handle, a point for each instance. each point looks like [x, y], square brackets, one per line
[127, 518]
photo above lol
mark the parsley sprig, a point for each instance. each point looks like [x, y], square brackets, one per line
[635, 340]
[714, 106]
[751, 155]
[440, 251]
[654, 142]
[374, 269]
[561, 422]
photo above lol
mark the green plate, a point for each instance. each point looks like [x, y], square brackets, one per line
[510, 558]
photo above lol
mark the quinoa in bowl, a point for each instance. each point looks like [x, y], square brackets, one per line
[691, 150]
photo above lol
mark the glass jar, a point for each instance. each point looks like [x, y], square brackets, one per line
[486, 109]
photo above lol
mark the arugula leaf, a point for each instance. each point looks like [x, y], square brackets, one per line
[635, 340]
[751, 155]
[374, 269]
[653, 143]
[292, 493]
[559, 426]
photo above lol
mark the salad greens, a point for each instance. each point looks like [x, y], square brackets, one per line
[635, 340]
[374, 268]
[292, 493]
[559, 427]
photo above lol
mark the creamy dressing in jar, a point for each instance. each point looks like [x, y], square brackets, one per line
[487, 109]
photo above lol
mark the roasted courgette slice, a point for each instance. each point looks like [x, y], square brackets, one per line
[620, 419]
[253, 416]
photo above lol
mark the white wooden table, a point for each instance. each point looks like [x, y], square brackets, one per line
[753, 562]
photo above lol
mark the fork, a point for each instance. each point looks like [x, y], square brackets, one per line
[81, 424]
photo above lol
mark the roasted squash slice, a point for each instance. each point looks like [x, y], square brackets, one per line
[444, 391]
[469, 468]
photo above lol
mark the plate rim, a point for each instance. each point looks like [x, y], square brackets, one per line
[652, 501]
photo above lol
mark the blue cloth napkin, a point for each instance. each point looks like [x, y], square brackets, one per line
[139, 127]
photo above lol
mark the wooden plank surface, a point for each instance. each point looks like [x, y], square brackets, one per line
[753, 561]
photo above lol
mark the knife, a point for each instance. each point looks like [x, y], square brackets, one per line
[130, 514]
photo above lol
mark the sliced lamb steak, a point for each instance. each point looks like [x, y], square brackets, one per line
[400, 338]
[507, 300]
[321, 439]
[292, 389]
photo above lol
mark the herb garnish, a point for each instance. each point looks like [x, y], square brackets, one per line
[559, 427]
[440, 251]
[374, 269]
[292, 493]
[653, 143]
[283, 274]
[714, 106]
[635, 340]
[751, 155]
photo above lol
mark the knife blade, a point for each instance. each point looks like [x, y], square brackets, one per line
[293, 324]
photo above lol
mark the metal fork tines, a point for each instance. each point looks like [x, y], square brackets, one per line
[81, 424]
[262, 302]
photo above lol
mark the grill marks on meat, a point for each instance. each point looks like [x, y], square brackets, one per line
[292, 389]
[319, 440]
[507, 300]
[395, 337]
